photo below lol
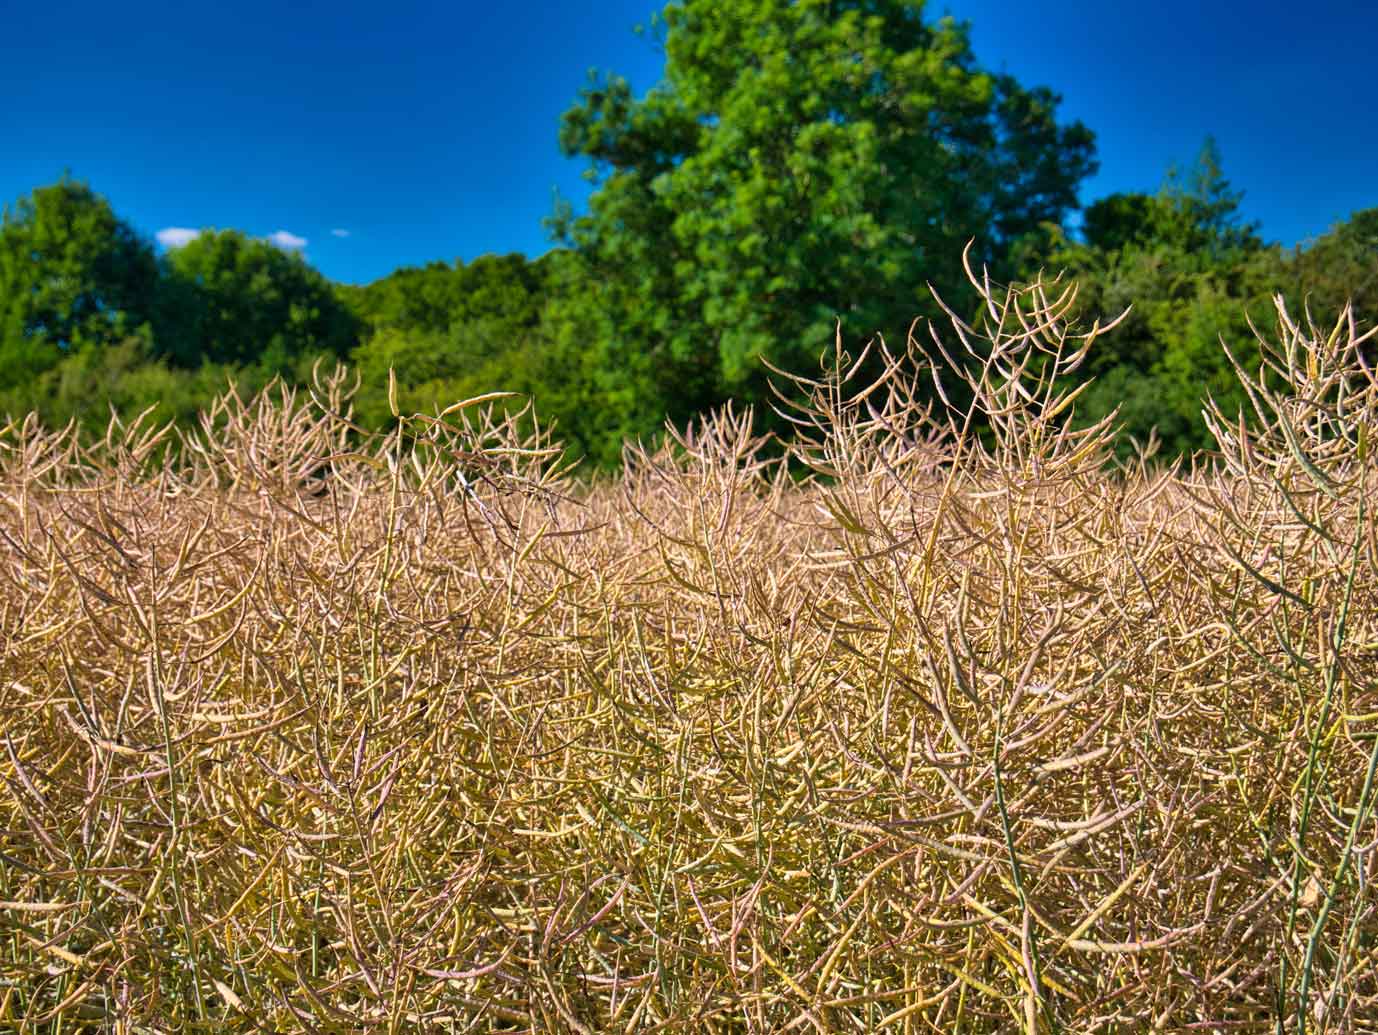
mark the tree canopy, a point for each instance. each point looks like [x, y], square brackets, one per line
[1191, 273]
[1339, 266]
[452, 331]
[800, 163]
[237, 299]
[72, 276]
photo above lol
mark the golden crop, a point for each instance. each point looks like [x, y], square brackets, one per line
[964, 730]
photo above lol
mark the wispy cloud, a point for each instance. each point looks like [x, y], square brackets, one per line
[287, 240]
[176, 236]
[339, 233]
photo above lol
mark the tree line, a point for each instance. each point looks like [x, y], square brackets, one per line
[802, 164]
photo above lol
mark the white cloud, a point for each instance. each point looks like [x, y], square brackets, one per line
[176, 236]
[339, 233]
[287, 240]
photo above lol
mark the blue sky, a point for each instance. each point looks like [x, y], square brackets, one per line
[383, 135]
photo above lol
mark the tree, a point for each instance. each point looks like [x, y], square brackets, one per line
[803, 161]
[1339, 267]
[412, 298]
[450, 332]
[72, 277]
[435, 298]
[1124, 220]
[1207, 207]
[235, 299]
[1191, 273]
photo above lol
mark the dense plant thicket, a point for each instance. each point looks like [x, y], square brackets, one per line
[963, 732]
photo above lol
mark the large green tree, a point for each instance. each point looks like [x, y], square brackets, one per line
[802, 161]
[73, 276]
[235, 299]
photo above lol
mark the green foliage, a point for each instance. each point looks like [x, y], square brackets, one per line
[800, 163]
[87, 385]
[1190, 275]
[604, 387]
[452, 332]
[90, 318]
[431, 373]
[235, 299]
[72, 277]
[1339, 267]
[501, 291]
[1206, 208]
